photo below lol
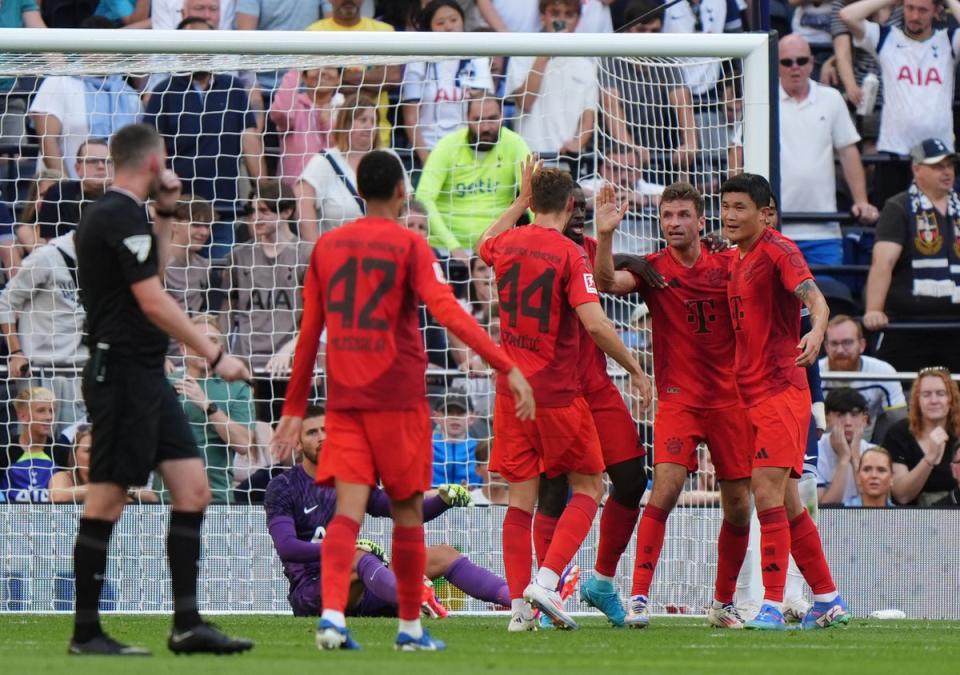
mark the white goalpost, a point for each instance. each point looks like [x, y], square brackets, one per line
[666, 107]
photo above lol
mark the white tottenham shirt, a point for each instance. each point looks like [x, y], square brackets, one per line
[441, 89]
[914, 74]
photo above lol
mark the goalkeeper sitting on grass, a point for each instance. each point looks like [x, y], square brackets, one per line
[299, 510]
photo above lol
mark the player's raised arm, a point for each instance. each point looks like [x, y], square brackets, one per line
[809, 346]
[592, 317]
[438, 296]
[508, 218]
[304, 359]
[607, 217]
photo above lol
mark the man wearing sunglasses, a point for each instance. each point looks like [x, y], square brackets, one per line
[814, 123]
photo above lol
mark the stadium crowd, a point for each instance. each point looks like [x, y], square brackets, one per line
[269, 163]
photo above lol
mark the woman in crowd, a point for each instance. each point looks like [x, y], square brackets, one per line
[303, 111]
[923, 444]
[434, 94]
[327, 188]
[874, 479]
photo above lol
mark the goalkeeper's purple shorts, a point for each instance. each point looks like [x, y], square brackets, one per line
[305, 601]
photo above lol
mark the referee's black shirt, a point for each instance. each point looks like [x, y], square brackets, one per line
[115, 249]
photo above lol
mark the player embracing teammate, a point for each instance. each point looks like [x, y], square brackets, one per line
[546, 291]
[751, 403]
[693, 355]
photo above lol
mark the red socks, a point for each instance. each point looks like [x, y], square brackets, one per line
[543, 529]
[409, 563]
[572, 528]
[517, 550]
[616, 528]
[731, 550]
[339, 546]
[808, 553]
[774, 551]
[653, 527]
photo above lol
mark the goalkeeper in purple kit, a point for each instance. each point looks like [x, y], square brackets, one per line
[299, 510]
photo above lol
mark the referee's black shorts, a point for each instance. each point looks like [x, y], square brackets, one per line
[137, 423]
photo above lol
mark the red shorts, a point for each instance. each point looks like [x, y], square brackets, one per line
[619, 439]
[678, 430]
[558, 441]
[372, 446]
[781, 424]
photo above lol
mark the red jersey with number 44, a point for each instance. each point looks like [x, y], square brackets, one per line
[541, 277]
[593, 360]
[766, 317]
[365, 282]
[693, 347]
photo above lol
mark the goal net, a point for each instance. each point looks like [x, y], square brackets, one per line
[265, 131]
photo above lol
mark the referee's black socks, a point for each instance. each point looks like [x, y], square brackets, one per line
[89, 568]
[183, 554]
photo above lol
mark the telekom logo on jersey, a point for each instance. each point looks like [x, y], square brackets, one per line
[918, 77]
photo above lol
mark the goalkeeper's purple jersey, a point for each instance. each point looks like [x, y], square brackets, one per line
[298, 512]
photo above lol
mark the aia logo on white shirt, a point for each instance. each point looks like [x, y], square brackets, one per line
[918, 77]
[589, 285]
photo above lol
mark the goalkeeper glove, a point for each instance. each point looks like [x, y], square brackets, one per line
[373, 547]
[454, 495]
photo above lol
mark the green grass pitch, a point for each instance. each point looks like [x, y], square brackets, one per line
[36, 644]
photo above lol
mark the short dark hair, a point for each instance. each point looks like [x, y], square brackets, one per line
[190, 20]
[426, 14]
[551, 188]
[130, 144]
[752, 184]
[572, 4]
[845, 400]
[314, 410]
[683, 192]
[378, 175]
[275, 193]
[191, 209]
[93, 140]
[650, 9]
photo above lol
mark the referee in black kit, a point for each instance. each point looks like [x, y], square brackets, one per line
[138, 424]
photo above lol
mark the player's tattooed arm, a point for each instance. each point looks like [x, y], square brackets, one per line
[813, 299]
[515, 211]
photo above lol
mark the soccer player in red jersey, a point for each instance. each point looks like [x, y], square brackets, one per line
[622, 450]
[693, 355]
[545, 288]
[769, 284]
[365, 282]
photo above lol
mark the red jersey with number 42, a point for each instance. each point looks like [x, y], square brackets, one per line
[365, 283]
[593, 360]
[693, 347]
[541, 277]
[766, 317]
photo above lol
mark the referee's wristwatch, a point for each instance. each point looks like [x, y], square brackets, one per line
[211, 409]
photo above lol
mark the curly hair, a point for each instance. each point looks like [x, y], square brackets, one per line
[953, 416]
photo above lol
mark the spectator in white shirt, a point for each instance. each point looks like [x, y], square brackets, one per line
[698, 16]
[434, 94]
[167, 14]
[557, 96]
[814, 122]
[811, 21]
[839, 450]
[917, 63]
[511, 16]
[845, 346]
